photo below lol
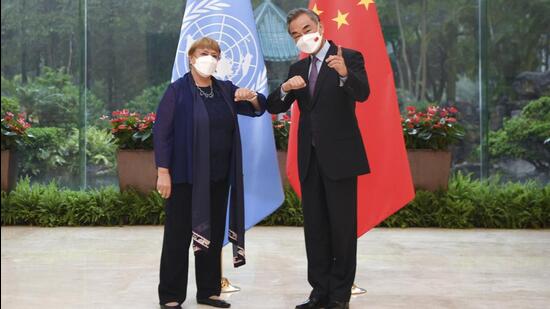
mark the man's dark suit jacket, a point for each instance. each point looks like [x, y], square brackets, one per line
[328, 119]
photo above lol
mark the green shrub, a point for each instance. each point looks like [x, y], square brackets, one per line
[468, 203]
[52, 99]
[45, 153]
[100, 150]
[290, 213]
[55, 152]
[10, 104]
[8, 86]
[148, 100]
[50, 205]
[524, 136]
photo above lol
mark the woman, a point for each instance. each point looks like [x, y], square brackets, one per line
[199, 162]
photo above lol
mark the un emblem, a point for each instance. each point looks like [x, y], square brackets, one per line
[240, 62]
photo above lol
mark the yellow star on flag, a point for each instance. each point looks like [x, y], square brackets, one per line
[365, 3]
[316, 10]
[341, 19]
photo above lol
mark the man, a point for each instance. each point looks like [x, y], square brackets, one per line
[331, 154]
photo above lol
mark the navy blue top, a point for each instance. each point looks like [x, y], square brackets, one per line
[221, 134]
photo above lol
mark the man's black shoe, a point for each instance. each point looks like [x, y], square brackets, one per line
[338, 305]
[218, 303]
[312, 303]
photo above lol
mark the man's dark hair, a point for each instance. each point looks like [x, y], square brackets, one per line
[295, 13]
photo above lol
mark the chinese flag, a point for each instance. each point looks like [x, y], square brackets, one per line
[354, 24]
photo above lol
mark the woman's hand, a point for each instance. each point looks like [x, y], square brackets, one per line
[164, 182]
[243, 94]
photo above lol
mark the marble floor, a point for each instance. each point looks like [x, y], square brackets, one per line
[117, 267]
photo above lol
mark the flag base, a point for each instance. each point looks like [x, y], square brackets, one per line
[227, 287]
[355, 290]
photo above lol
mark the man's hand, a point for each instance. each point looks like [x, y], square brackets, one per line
[337, 63]
[244, 94]
[295, 83]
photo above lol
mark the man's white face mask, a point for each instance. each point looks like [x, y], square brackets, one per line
[205, 65]
[310, 42]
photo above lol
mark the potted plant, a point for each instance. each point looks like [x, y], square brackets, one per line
[14, 132]
[135, 157]
[281, 130]
[428, 134]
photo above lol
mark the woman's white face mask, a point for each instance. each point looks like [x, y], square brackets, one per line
[205, 65]
[310, 42]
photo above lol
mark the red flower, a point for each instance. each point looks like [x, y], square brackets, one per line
[451, 119]
[432, 110]
[453, 110]
[151, 117]
[122, 127]
[443, 113]
[411, 109]
[143, 126]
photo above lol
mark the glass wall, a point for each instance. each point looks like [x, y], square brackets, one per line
[519, 89]
[41, 47]
[66, 63]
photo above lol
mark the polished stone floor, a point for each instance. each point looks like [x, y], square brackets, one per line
[117, 267]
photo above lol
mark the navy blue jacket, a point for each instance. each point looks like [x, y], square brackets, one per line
[173, 128]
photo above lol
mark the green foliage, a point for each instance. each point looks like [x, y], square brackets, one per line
[50, 205]
[52, 99]
[524, 136]
[468, 203]
[281, 131]
[290, 213]
[100, 150]
[10, 104]
[472, 203]
[54, 152]
[8, 90]
[45, 153]
[148, 100]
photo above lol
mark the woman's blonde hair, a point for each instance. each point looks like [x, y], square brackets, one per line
[204, 42]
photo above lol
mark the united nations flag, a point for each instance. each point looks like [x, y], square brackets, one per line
[231, 23]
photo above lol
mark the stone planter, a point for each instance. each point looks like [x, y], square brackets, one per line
[9, 170]
[281, 157]
[430, 169]
[136, 169]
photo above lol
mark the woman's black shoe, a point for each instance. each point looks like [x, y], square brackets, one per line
[170, 307]
[218, 303]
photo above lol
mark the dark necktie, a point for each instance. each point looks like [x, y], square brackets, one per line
[313, 75]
